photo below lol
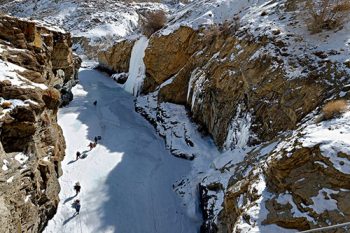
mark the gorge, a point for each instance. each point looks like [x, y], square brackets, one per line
[250, 97]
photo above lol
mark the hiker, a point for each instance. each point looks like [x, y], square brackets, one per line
[92, 145]
[77, 188]
[95, 102]
[97, 138]
[78, 155]
[77, 206]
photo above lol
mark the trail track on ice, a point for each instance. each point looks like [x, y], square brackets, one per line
[127, 179]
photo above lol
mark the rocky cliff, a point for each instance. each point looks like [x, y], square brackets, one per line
[221, 77]
[250, 83]
[38, 69]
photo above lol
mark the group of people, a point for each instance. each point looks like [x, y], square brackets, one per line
[91, 145]
[76, 204]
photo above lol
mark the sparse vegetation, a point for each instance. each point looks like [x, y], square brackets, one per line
[326, 14]
[334, 108]
[152, 21]
[52, 98]
[227, 28]
[52, 93]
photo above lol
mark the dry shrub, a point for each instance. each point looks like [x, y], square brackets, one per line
[211, 33]
[52, 98]
[6, 104]
[334, 108]
[225, 29]
[152, 21]
[326, 14]
[52, 93]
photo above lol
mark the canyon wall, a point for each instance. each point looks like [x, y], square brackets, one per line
[38, 70]
[250, 84]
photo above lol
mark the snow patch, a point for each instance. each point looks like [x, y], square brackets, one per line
[21, 158]
[333, 137]
[8, 72]
[323, 201]
[27, 198]
[288, 198]
[9, 180]
[5, 165]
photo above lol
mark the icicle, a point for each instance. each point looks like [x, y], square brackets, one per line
[239, 130]
[190, 83]
[195, 85]
[137, 67]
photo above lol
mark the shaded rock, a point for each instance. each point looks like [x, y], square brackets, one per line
[117, 57]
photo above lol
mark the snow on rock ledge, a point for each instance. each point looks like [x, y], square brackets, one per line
[306, 181]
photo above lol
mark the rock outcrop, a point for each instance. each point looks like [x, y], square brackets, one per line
[37, 70]
[221, 78]
[302, 185]
[117, 57]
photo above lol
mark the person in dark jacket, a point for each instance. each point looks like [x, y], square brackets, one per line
[95, 102]
[77, 206]
[78, 155]
[77, 188]
[97, 138]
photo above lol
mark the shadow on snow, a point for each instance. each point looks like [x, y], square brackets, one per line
[139, 189]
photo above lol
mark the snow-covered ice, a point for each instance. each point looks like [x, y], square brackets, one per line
[127, 179]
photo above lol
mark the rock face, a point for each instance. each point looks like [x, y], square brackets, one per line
[46, 55]
[117, 57]
[222, 78]
[303, 184]
[161, 65]
[231, 79]
[37, 66]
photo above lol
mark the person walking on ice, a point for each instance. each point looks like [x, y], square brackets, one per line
[76, 206]
[77, 188]
[78, 155]
[92, 145]
[97, 138]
